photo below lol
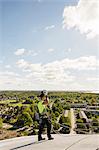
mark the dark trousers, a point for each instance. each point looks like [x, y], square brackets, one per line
[42, 123]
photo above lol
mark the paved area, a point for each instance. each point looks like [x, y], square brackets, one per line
[66, 113]
[72, 121]
[60, 142]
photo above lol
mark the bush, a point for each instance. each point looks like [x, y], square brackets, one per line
[95, 122]
[64, 120]
[79, 121]
[35, 124]
[57, 114]
[81, 126]
[24, 120]
[65, 131]
[53, 117]
[56, 126]
[12, 121]
[66, 107]
[1, 123]
[29, 110]
[28, 101]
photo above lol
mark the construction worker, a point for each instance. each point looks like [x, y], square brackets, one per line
[45, 118]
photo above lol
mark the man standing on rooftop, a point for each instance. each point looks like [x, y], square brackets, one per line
[44, 113]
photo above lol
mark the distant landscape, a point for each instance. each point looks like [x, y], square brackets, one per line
[71, 112]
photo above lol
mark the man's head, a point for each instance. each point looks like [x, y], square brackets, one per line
[43, 94]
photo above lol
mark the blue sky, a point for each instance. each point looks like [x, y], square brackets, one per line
[43, 47]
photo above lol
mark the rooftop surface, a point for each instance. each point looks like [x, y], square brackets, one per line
[60, 142]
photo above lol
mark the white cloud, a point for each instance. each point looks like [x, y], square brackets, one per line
[52, 72]
[11, 81]
[32, 53]
[83, 17]
[81, 63]
[51, 49]
[22, 64]
[20, 52]
[93, 79]
[8, 77]
[46, 28]
[9, 73]
[26, 66]
[49, 27]
[56, 75]
[58, 71]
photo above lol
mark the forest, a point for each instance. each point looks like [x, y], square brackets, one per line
[18, 110]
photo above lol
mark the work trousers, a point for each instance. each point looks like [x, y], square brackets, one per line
[42, 123]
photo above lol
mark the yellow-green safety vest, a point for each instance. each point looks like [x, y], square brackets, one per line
[41, 107]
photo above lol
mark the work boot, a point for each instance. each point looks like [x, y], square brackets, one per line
[50, 138]
[39, 139]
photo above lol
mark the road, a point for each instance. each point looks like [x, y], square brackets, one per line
[72, 121]
[60, 142]
[66, 113]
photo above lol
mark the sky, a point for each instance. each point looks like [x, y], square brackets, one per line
[49, 44]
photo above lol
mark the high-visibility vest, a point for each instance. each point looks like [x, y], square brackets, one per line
[41, 107]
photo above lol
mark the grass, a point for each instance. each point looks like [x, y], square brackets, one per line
[8, 101]
[14, 103]
[17, 104]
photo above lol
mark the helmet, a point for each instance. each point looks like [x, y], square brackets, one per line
[45, 92]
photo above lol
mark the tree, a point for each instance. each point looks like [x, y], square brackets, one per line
[66, 107]
[95, 122]
[56, 126]
[24, 120]
[64, 120]
[1, 123]
[57, 114]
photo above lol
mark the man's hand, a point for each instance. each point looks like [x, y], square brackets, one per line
[45, 102]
